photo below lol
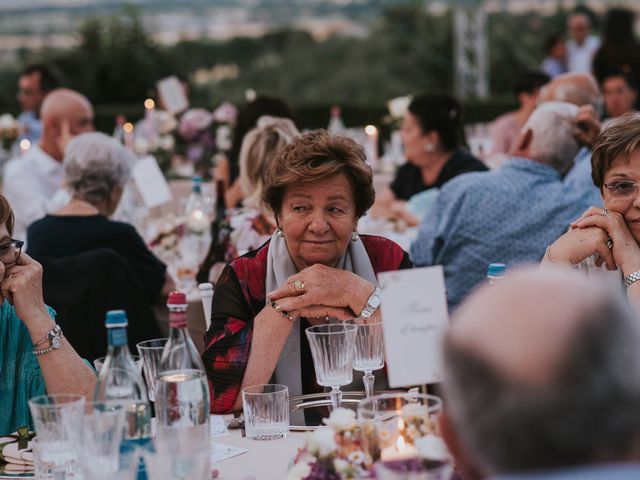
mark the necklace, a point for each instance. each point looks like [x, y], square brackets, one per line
[87, 205]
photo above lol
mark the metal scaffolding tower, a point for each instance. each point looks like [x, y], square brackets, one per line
[470, 40]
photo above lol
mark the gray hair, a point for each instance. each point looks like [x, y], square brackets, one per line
[94, 165]
[553, 143]
[588, 411]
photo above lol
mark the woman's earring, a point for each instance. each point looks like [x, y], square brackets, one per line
[430, 147]
[355, 237]
[279, 232]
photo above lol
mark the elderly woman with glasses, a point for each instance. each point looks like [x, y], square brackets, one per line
[96, 169]
[35, 358]
[314, 266]
[610, 236]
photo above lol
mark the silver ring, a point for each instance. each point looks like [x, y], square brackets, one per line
[605, 211]
[609, 243]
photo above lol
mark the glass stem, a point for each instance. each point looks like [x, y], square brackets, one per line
[336, 397]
[368, 379]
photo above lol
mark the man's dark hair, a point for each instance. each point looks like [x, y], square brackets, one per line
[587, 410]
[48, 81]
[530, 82]
[551, 42]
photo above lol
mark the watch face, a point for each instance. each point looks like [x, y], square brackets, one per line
[374, 301]
[56, 343]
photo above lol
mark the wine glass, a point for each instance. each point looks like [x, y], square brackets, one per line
[369, 352]
[332, 348]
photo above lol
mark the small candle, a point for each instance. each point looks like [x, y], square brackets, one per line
[400, 451]
[198, 221]
[371, 148]
[127, 128]
[25, 145]
[149, 117]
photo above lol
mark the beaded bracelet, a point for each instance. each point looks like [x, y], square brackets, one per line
[278, 309]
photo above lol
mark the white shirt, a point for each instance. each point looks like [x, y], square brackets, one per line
[580, 57]
[30, 184]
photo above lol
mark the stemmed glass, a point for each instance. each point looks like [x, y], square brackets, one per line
[332, 348]
[369, 353]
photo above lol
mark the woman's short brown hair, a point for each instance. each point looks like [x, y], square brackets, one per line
[617, 141]
[318, 155]
[6, 215]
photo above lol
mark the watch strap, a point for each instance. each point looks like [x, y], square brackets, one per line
[631, 278]
[373, 303]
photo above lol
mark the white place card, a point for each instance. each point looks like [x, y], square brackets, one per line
[415, 319]
[172, 94]
[220, 451]
[218, 426]
[151, 184]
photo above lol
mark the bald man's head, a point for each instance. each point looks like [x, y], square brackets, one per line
[534, 363]
[577, 88]
[65, 114]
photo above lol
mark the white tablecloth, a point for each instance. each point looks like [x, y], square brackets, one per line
[264, 459]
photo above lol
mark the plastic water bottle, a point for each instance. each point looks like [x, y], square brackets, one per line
[120, 380]
[182, 399]
[496, 272]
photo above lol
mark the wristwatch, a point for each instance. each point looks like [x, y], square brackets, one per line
[55, 341]
[373, 303]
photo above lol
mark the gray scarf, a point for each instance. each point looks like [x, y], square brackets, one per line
[280, 267]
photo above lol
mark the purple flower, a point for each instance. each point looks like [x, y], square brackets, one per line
[225, 113]
[193, 122]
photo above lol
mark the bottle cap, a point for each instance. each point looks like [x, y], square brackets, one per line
[177, 298]
[116, 318]
[196, 179]
[496, 270]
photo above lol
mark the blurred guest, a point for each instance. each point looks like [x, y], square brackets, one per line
[619, 92]
[432, 137]
[507, 215]
[610, 235]
[314, 266]
[32, 180]
[581, 46]
[620, 49]
[229, 169]
[505, 129]
[96, 169]
[254, 224]
[30, 363]
[542, 381]
[555, 62]
[35, 83]
[582, 90]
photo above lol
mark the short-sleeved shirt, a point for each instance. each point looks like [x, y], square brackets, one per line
[408, 179]
[57, 236]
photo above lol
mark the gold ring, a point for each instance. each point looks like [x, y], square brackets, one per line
[605, 211]
[299, 286]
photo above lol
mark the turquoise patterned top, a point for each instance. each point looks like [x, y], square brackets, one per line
[20, 375]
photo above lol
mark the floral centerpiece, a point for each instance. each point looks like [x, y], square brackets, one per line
[8, 130]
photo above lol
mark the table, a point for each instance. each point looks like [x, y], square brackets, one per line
[264, 459]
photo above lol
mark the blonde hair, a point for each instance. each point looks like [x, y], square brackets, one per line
[259, 148]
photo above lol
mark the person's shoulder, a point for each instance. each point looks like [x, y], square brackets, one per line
[252, 262]
[406, 168]
[384, 254]
[506, 118]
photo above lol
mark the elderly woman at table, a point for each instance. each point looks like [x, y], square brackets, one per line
[431, 134]
[610, 236]
[35, 358]
[96, 169]
[315, 266]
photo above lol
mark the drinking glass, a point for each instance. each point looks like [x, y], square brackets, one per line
[100, 452]
[58, 422]
[369, 353]
[332, 348]
[151, 352]
[266, 411]
[98, 362]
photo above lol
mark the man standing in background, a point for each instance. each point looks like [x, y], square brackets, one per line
[582, 46]
[35, 82]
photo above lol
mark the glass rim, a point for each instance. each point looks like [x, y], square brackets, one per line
[51, 402]
[316, 329]
[143, 346]
[363, 404]
[282, 388]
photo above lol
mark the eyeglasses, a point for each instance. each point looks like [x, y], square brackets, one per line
[622, 189]
[10, 251]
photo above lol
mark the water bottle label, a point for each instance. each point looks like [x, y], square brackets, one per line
[117, 336]
[178, 319]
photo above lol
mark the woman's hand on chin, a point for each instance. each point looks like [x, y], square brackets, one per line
[22, 287]
[578, 244]
[319, 286]
[625, 249]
